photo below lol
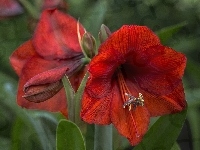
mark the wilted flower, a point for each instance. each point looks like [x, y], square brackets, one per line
[133, 78]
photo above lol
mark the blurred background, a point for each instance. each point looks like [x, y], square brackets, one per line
[28, 129]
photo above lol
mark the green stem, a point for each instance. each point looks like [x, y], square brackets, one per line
[103, 137]
[70, 98]
[30, 8]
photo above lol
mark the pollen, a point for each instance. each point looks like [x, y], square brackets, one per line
[125, 92]
[133, 101]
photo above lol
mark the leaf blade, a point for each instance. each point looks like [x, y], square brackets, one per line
[69, 136]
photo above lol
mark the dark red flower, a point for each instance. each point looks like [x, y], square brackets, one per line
[133, 78]
[42, 61]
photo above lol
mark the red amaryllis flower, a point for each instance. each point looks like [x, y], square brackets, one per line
[9, 8]
[133, 78]
[42, 61]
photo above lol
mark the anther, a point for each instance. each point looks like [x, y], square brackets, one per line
[133, 101]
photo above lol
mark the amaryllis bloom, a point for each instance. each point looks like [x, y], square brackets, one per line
[9, 8]
[42, 61]
[133, 78]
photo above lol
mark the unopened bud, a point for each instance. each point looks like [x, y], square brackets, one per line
[40, 93]
[104, 33]
[88, 44]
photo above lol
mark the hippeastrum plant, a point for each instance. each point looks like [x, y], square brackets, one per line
[42, 61]
[132, 78]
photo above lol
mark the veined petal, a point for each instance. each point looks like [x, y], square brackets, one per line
[166, 104]
[162, 73]
[104, 65]
[96, 110]
[20, 56]
[56, 36]
[140, 37]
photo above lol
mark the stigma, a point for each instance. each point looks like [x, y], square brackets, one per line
[133, 101]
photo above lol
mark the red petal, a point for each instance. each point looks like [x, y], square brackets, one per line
[102, 68]
[96, 110]
[166, 104]
[163, 71]
[20, 56]
[56, 35]
[163, 104]
[49, 76]
[132, 124]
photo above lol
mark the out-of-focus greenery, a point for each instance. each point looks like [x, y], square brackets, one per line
[27, 129]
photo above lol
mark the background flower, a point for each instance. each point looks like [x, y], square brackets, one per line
[42, 61]
[10, 8]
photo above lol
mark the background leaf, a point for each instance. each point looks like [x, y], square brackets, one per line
[69, 136]
[166, 33]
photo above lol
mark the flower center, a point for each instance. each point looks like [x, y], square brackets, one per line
[125, 92]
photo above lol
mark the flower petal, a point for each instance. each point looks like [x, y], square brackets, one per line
[56, 35]
[103, 66]
[96, 110]
[49, 76]
[20, 56]
[166, 104]
[132, 124]
[158, 105]
[163, 71]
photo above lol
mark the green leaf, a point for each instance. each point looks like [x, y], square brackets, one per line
[175, 146]
[164, 132]
[166, 33]
[69, 136]
[194, 120]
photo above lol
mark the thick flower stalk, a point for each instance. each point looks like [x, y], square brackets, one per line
[133, 77]
[42, 61]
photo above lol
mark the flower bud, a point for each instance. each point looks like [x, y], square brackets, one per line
[88, 44]
[104, 33]
[40, 93]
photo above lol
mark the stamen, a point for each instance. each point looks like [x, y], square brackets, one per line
[133, 101]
